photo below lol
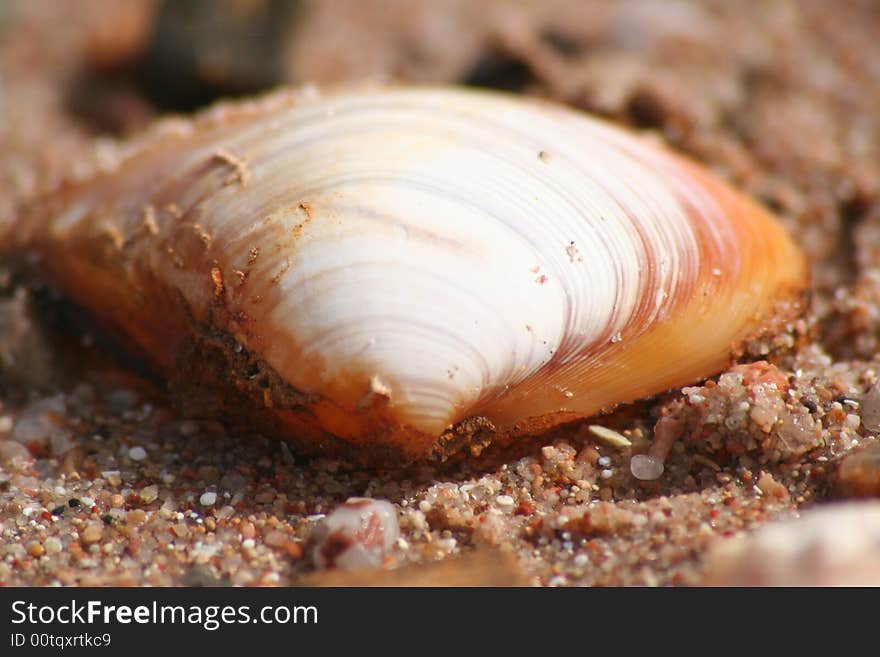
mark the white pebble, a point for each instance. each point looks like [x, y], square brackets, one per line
[208, 499]
[645, 468]
[357, 533]
[505, 500]
[604, 461]
[609, 436]
[52, 545]
[137, 453]
[606, 474]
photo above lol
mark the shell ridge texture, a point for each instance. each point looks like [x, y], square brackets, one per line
[407, 259]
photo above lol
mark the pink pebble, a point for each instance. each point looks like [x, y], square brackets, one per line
[357, 534]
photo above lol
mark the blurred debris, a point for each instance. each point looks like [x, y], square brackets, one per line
[26, 357]
[480, 568]
[858, 474]
[164, 56]
[202, 50]
[833, 545]
[114, 44]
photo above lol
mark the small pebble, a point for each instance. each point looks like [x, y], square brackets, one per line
[265, 497]
[136, 517]
[35, 549]
[9, 450]
[52, 545]
[208, 499]
[769, 486]
[505, 500]
[92, 533]
[40, 423]
[149, 494]
[610, 436]
[15, 550]
[858, 474]
[137, 453]
[356, 534]
[645, 468]
[275, 539]
[871, 409]
[852, 421]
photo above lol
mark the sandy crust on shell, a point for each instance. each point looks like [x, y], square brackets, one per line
[213, 376]
[217, 378]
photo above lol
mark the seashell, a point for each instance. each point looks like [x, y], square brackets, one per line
[388, 274]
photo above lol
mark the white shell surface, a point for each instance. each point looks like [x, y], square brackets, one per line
[453, 251]
[445, 252]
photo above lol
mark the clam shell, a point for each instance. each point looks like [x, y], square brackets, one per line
[361, 272]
